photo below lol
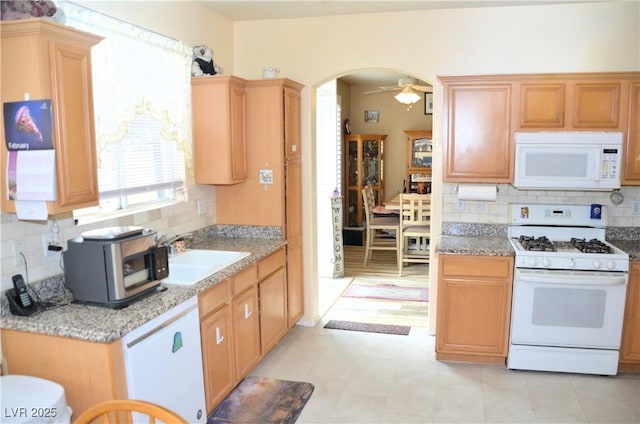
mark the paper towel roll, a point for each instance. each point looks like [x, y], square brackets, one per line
[477, 192]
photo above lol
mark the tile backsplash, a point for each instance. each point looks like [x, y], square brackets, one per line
[496, 212]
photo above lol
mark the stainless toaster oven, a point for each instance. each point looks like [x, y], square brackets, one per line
[114, 266]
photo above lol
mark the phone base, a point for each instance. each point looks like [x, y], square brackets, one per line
[16, 308]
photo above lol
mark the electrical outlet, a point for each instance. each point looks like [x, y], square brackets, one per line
[46, 239]
[18, 252]
[202, 206]
[460, 205]
[636, 207]
[479, 206]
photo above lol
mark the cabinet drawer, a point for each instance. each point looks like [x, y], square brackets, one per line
[271, 263]
[244, 279]
[215, 297]
[476, 266]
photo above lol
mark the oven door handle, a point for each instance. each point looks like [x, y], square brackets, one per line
[574, 280]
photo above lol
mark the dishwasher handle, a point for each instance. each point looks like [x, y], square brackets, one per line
[159, 327]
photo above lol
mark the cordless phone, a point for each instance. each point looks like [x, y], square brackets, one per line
[21, 291]
[20, 303]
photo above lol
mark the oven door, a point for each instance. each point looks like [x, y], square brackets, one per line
[568, 308]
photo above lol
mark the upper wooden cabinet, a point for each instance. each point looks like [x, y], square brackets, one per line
[571, 104]
[631, 163]
[219, 144]
[52, 61]
[477, 130]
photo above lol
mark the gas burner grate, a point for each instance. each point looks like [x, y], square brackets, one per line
[539, 244]
[590, 246]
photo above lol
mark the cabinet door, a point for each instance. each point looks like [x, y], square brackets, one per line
[273, 309]
[219, 145]
[292, 122]
[295, 283]
[542, 105]
[217, 356]
[474, 306]
[246, 328]
[50, 61]
[478, 133]
[596, 105]
[631, 152]
[630, 348]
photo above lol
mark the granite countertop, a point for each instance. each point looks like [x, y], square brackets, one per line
[632, 247]
[475, 245]
[106, 325]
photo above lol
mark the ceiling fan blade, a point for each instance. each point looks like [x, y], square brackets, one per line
[383, 90]
[423, 88]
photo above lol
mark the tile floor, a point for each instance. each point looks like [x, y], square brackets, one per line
[376, 378]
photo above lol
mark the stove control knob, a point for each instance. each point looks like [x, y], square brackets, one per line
[572, 263]
[533, 262]
[546, 262]
[611, 265]
[597, 264]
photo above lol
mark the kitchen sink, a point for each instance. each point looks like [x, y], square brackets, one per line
[194, 265]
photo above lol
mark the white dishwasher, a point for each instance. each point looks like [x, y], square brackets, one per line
[163, 362]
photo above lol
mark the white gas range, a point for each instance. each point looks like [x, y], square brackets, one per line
[569, 290]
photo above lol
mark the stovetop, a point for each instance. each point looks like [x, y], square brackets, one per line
[563, 237]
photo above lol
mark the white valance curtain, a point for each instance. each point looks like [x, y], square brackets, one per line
[137, 75]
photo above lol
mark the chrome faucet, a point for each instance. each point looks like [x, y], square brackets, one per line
[163, 241]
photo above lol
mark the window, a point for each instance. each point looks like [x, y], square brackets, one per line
[141, 94]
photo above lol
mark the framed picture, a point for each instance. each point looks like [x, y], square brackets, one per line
[428, 103]
[371, 116]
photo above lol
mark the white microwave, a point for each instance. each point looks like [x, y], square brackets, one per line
[568, 160]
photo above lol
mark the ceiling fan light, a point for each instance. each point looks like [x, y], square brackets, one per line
[407, 97]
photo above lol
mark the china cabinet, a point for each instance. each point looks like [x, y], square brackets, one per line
[364, 165]
[419, 161]
[474, 308]
[219, 143]
[52, 61]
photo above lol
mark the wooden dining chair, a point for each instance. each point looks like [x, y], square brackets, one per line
[415, 224]
[376, 239]
[122, 411]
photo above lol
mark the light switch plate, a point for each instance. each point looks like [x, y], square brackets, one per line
[266, 176]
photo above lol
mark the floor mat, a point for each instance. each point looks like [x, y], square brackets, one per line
[263, 400]
[386, 291]
[401, 330]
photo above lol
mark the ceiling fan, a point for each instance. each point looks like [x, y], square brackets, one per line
[407, 96]
[403, 84]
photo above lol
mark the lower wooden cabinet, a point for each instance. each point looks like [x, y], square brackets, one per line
[630, 348]
[272, 290]
[217, 356]
[246, 331]
[90, 372]
[474, 307]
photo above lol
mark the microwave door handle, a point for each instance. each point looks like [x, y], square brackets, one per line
[598, 166]
[574, 280]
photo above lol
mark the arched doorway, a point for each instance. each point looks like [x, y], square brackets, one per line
[344, 98]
